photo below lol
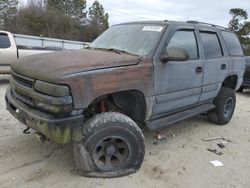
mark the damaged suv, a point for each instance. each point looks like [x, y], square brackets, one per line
[135, 75]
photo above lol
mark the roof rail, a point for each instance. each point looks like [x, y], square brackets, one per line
[204, 23]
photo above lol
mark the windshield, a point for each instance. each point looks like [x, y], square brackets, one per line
[138, 39]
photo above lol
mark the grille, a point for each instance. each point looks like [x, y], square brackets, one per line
[22, 80]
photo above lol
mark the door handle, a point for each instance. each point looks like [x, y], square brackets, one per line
[198, 70]
[223, 67]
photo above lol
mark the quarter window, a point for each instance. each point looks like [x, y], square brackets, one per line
[211, 45]
[4, 41]
[185, 40]
[232, 43]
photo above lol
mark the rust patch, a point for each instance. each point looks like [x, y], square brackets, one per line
[87, 87]
[53, 67]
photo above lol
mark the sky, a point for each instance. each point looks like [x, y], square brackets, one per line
[211, 11]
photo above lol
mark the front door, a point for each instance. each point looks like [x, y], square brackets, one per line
[178, 83]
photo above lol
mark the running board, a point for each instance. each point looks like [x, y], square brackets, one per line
[173, 118]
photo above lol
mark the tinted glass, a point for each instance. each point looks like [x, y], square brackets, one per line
[232, 44]
[211, 45]
[185, 40]
[137, 39]
[4, 41]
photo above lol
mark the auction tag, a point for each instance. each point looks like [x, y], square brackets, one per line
[152, 28]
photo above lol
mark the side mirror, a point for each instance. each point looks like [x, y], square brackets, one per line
[175, 54]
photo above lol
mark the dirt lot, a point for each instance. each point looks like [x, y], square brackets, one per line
[181, 161]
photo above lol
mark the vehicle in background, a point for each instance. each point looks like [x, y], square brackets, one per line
[246, 78]
[134, 76]
[10, 52]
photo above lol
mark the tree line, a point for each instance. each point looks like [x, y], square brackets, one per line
[65, 19]
[70, 19]
[241, 27]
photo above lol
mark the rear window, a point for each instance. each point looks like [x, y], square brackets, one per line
[232, 43]
[211, 45]
[4, 40]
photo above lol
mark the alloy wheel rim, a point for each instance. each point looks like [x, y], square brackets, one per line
[228, 109]
[111, 153]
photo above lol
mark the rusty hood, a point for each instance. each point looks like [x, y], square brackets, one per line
[53, 67]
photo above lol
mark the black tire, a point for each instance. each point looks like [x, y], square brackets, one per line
[240, 90]
[225, 104]
[112, 146]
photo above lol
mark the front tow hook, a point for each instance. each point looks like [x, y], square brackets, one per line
[26, 131]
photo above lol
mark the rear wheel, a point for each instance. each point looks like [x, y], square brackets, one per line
[112, 145]
[225, 104]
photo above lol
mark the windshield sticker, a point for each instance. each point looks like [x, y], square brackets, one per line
[152, 28]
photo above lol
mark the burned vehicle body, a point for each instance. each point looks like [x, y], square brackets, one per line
[134, 75]
[89, 87]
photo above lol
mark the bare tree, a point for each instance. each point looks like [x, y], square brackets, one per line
[8, 9]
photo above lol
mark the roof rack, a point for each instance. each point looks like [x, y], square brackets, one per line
[208, 24]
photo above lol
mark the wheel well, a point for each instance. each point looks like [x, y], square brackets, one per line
[131, 103]
[231, 82]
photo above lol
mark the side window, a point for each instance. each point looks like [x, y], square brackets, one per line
[211, 45]
[4, 41]
[232, 43]
[185, 40]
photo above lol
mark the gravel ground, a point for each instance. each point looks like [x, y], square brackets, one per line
[181, 161]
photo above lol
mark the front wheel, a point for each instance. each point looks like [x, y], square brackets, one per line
[112, 146]
[225, 104]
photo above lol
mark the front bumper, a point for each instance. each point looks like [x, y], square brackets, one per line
[59, 130]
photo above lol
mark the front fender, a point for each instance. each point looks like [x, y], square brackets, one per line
[90, 85]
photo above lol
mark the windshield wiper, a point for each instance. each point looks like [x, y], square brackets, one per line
[121, 51]
[114, 50]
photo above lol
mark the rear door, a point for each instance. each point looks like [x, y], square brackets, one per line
[236, 58]
[215, 64]
[178, 83]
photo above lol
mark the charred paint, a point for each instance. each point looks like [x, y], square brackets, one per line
[53, 67]
[88, 86]
[89, 74]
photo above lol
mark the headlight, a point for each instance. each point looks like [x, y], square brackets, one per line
[51, 89]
